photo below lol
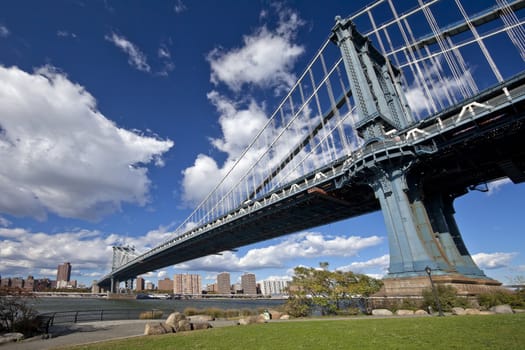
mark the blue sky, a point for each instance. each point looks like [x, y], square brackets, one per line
[114, 115]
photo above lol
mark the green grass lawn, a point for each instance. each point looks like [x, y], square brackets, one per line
[451, 332]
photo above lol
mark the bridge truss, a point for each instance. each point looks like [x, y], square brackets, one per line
[435, 58]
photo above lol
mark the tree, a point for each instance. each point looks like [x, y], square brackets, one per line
[16, 315]
[319, 287]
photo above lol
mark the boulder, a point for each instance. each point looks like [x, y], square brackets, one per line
[200, 325]
[502, 309]
[381, 312]
[174, 318]
[184, 326]
[11, 337]
[471, 311]
[402, 312]
[251, 320]
[155, 328]
[421, 313]
[275, 315]
[487, 313]
[200, 318]
[458, 311]
[284, 317]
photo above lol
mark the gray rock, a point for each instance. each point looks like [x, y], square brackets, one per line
[200, 318]
[184, 326]
[402, 312]
[421, 312]
[471, 311]
[11, 337]
[285, 317]
[174, 318]
[251, 320]
[459, 311]
[381, 312]
[276, 315]
[200, 325]
[156, 328]
[502, 309]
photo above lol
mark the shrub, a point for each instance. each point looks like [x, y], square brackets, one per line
[190, 311]
[232, 313]
[488, 300]
[150, 315]
[298, 306]
[214, 312]
[448, 298]
[16, 315]
[248, 312]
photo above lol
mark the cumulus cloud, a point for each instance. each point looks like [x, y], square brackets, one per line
[136, 58]
[491, 261]
[179, 6]
[24, 252]
[303, 245]
[264, 60]
[4, 32]
[495, 186]
[380, 263]
[61, 155]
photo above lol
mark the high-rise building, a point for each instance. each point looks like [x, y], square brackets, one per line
[29, 283]
[165, 284]
[187, 284]
[223, 283]
[63, 273]
[139, 287]
[248, 284]
[274, 287]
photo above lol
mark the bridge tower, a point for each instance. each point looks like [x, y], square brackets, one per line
[419, 217]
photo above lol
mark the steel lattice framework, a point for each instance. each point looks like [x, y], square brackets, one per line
[421, 69]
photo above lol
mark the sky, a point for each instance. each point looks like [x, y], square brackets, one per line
[114, 115]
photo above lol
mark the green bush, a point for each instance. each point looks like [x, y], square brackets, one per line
[214, 312]
[448, 297]
[488, 300]
[191, 311]
[232, 313]
[151, 315]
[298, 306]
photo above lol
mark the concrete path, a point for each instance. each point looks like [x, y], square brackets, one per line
[89, 332]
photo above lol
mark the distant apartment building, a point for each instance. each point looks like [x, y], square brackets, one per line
[149, 286]
[274, 287]
[139, 284]
[63, 275]
[187, 284]
[166, 284]
[211, 288]
[29, 283]
[223, 283]
[5, 282]
[248, 284]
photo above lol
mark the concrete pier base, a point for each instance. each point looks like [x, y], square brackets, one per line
[414, 286]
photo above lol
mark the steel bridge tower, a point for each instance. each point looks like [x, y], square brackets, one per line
[419, 219]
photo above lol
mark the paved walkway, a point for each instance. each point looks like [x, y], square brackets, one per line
[89, 332]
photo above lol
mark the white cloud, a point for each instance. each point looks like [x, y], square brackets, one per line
[4, 32]
[303, 245]
[65, 34]
[179, 6]
[59, 154]
[4, 222]
[493, 260]
[495, 186]
[136, 58]
[380, 263]
[265, 59]
[24, 252]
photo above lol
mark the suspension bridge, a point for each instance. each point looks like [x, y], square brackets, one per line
[406, 106]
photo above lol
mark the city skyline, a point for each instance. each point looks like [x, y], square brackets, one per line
[113, 131]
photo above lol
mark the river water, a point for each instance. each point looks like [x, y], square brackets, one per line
[52, 304]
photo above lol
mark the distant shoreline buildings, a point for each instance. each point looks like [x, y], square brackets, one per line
[30, 284]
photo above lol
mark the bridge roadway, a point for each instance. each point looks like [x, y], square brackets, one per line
[460, 147]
